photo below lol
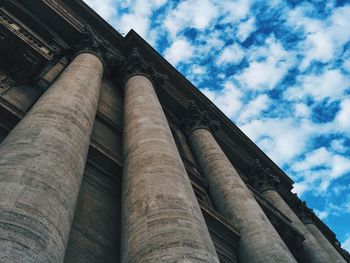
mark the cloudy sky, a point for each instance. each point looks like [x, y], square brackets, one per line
[280, 70]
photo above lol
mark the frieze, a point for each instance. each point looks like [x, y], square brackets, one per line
[197, 119]
[27, 36]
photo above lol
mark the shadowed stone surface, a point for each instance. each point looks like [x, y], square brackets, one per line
[41, 166]
[267, 184]
[312, 251]
[161, 218]
[260, 243]
[323, 241]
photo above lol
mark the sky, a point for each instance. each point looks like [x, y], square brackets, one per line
[280, 70]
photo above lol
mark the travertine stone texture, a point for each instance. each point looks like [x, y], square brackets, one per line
[41, 166]
[161, 218]
[311, 252]
[335, 256]
[260, 243]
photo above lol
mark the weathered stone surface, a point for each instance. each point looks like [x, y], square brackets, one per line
[322, 240]
[311, 250]
[161, 218]
[95, 231]
[259, 240]
[41, 165]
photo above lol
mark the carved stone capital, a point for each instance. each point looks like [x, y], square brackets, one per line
[300, 208]
[136, 65]
[197, 119]
[262, 179]
[90, 43]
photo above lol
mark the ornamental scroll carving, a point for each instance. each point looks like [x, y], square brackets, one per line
[197, 119]
[136, 65]
[262, 179]
[89, 42]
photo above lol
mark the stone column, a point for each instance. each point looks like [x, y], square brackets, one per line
[42, 161]
[306, 215]
[334, 254]
[231, 197]
[267, 184]
[161, 218]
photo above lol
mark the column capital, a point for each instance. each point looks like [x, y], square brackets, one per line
[197, 119]
[305, 213]
[135, 64]
[262, 178]
[89, 42]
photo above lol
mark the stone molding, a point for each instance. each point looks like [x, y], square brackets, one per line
[262, 179]
[135, 64]
[197, 119]
[305, 213]
[90, 43]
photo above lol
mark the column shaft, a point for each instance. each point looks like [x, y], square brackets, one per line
[312, 252]
[323, 241]
[259, 240]
[41, 165]
[162, 220]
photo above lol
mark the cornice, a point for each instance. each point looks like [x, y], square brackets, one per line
[305, 213]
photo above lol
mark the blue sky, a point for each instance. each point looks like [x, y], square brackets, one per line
[280, 70]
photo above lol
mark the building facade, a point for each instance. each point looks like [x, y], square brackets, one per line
[109, 154]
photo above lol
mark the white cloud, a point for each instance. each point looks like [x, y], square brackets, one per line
[300, 188]
[320, 167]
[323, 38]
[233, 10]
[329, 84]
[301, 110]
[346, 243]
[179, 51]
[199, 70]
[104, 8]
[267, 66]
[245, 29]
[192, 13]
[282, 139]
[254, 108]
[322, 214]
[229, 99]
[337, 145]
[319, 46]
[231, 54]
[343, 116]
[138, 18]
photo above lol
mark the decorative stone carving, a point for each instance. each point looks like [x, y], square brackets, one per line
[262, 179]
[197, 119]
[90, 43]
[304, 213]
[136, 65]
